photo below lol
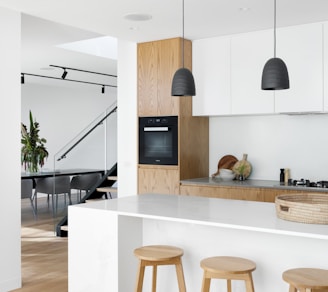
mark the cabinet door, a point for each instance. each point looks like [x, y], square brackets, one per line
[301, 49]
[169, 60]
[147, 79]
[158, 180]
[325, 72]
[211, 69]
[249, 53]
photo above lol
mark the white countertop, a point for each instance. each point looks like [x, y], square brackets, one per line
[244, 215]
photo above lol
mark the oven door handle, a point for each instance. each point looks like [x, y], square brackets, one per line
[156, 129]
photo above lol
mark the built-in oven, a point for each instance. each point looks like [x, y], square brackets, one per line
[158, 140]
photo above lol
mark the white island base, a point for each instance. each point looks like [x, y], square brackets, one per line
[103, 235]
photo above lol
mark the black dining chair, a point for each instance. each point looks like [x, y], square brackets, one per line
[84, 182]
[27, 191]
[53, 186]
[26, 188]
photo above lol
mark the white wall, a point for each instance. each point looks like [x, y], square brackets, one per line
[127, 119]
[298, 142]
[63, 112]
[10, 33]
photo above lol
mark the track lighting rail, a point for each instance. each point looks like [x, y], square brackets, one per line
[85, 71]
[71, 80]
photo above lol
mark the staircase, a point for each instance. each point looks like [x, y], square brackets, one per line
[109, 190]
[103, 188]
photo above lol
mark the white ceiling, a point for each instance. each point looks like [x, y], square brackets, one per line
[74, 20]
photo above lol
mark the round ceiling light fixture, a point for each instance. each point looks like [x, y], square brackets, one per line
[244, 9]
[138, 17]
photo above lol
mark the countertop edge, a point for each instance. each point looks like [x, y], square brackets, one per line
[180, 209]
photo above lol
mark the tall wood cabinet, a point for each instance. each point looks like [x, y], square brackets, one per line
[157, 63]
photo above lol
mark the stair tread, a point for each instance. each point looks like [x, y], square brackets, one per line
[93, 200]
[106, 189]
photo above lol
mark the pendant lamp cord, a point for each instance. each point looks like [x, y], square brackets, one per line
[183, 34]
[274, 27]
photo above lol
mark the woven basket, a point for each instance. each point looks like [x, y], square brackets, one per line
[304, 208]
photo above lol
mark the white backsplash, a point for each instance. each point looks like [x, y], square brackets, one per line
[297, 142]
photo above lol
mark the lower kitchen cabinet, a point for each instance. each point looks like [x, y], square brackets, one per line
[158, 179]
[236, 193]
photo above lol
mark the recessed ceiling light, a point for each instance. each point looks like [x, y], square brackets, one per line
[138, 16]
[244, 9]
[134, 28]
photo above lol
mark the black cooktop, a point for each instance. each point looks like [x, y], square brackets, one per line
[307, 183]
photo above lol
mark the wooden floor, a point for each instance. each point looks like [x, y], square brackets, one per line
[44, 255]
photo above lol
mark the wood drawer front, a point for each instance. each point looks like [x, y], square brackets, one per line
[158, 181]
[249, 194]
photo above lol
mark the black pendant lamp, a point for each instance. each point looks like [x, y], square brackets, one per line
[275, 73]
[183, 83]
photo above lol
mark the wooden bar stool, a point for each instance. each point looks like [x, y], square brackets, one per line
[306, 279]
[229, 268]
[157, 255]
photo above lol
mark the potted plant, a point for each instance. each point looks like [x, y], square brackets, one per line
[33, 152]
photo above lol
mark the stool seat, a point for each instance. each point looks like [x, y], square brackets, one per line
[156, 255]
[158, 252]
[229, 268]
[306, 278]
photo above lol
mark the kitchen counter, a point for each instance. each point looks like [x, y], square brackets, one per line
[102, 236]
[249, 190]
[249, 183]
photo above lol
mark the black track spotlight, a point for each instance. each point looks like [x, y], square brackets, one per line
[275, 74]
[22, 79]
[103, 89]
[64, 74]
[183, 83]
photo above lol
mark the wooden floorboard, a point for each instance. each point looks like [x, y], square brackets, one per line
[44, 255]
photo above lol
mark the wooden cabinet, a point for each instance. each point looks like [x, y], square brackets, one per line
[211, 67]
[157, 63]
[158, 179]
[249, 53]
[236, 193]
[301, 48]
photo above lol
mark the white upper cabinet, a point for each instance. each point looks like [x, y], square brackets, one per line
[301, 48]
[325, 74]
[249, 53]
[228, 72]
[211, 70]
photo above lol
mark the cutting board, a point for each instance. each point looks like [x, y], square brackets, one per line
[227, 162]
[243, 167]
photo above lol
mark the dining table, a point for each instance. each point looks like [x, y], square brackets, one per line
[34, 176]
[59, 172]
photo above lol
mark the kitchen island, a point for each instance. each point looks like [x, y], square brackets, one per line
[103, 234]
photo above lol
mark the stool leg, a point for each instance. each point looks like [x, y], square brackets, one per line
[206, 283]
[154, 278]
[292, 288]
[249, 283]
[140, 276]
[180, 276]
[229, 285]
